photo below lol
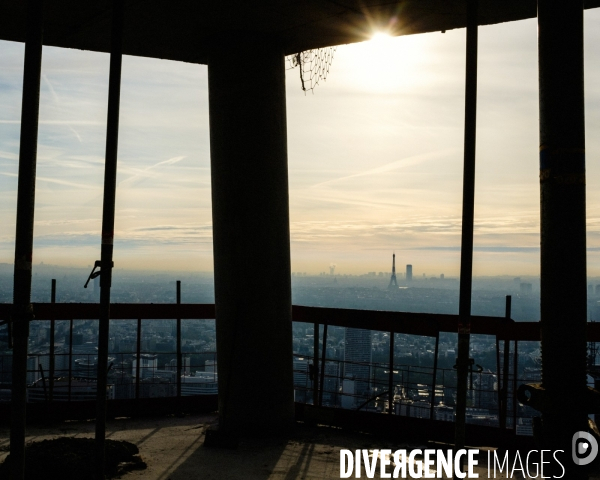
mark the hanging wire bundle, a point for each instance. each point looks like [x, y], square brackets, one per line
[313, 65]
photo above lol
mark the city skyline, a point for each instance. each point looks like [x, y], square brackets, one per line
[375, 157]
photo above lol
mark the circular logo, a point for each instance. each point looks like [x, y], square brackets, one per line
[585, 448]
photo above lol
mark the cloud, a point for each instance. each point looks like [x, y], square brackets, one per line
[369, 170]
[57, 122]
[49, 180]
[9, 155]
[495, 249]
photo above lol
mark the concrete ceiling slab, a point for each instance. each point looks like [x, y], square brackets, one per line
[183, 29]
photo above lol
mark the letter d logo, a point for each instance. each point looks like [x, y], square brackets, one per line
[585, 448]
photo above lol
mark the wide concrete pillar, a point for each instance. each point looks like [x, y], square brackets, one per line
[246, 79]
[563, 225]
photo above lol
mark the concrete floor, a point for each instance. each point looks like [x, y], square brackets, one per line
[173, 450]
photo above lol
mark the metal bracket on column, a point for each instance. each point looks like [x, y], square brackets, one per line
[534, 395]
[95, 273]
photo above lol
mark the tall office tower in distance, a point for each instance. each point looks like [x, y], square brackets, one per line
[409, 273]
[357, 360]
[393, 278]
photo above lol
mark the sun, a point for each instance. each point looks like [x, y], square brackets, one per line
[381, 37]
[386, 63]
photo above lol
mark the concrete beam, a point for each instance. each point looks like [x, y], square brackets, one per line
[182, 30]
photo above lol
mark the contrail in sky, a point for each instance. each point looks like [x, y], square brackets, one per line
[51, 88]
[145, 172]
[404, 162]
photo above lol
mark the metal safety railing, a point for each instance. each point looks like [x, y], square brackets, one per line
[418, 391]
[425, 391]
[66, 370]
[56, 368]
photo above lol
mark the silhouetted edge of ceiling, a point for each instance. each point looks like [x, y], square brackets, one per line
[182, 30]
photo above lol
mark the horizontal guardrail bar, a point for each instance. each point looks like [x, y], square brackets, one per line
[427, 324]
[118, 311]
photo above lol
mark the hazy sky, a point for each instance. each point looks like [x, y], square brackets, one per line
[375, 157]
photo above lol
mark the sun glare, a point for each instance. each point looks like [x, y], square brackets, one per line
[386, 63]
[381, 37]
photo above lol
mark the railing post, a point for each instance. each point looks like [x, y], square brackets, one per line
[391, 376]
[179, 362]
[316, 363]
[506, 366]
[138, 360]
[444, 382]
[434, 381]
[480, 388]
[499, 385]
[322, 382]
[505, 371]
[70, 356]
[41, 369]
[515, 373]
[52, 332]
[503, 388]
[340, 383]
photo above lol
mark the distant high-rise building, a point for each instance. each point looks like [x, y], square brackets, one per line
[358, 358]
[526, 288]
[393, 281]
[147, 364]
[202, 383]
[348, 393]
[301, 372]
[331, 383]
[302, 379]
[409, 273]
[186, 365]
[209, 366]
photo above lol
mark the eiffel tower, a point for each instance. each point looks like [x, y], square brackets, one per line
[393, 278]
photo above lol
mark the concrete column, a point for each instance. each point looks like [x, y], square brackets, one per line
[246, 79]
[563, 224]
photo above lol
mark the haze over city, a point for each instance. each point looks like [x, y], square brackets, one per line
[375, 157]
